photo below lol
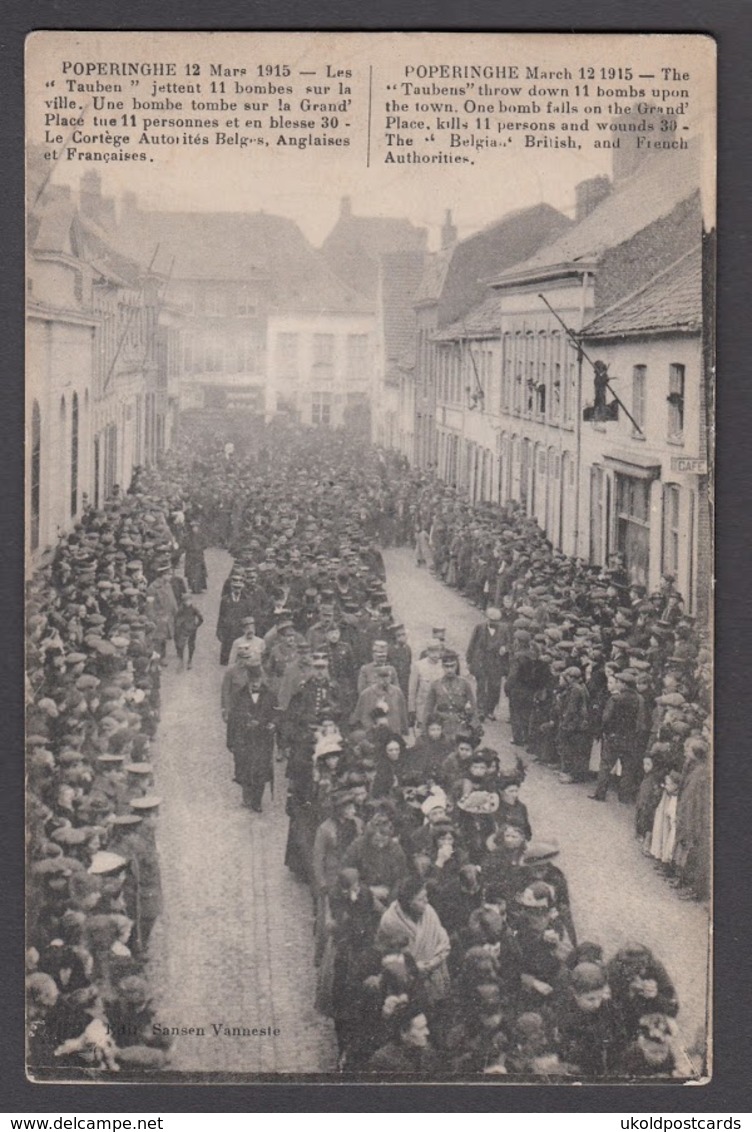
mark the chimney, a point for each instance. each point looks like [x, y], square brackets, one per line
[345, 208]
[448, 231]
[628, 158]
[90, 194]
[589, 194]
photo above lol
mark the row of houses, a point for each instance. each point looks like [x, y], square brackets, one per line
[102, 357]
[136, 315]
[563, 363]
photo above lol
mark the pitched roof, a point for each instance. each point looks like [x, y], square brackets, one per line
[356, 243]
[669, 303]
[513, 238]
[483, 321]
[400, 277]
[652, 191]
[56, 226]
[241, 247]
[99, 252]
[434, 275]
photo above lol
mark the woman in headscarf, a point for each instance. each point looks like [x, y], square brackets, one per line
[429, 942]
[390, 761]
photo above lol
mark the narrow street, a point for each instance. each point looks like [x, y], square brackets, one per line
[234, 945]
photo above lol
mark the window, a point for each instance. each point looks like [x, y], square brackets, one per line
[639, 378]
[506, 371]
[540, 396]
[245, 303]
[323, 349]
[249, 354]
[675, 401]
[287, 354]
[518, 373]
[540, 374]
[530, 381]
[632, 526]
[321, 408]
[570, 390]
[671, 503]
[214, 355]
[556, 369]
[36, 473]
[357, 354]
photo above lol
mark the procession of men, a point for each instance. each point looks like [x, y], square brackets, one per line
[444, 937]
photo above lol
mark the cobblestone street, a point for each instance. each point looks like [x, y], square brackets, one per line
[234, 945]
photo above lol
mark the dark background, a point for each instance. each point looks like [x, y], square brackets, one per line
[730, 22]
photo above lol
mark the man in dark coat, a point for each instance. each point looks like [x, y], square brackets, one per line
[251, 721]
[574, 734]
[488, 661]
[622, 721]
[233, 608]
[521, 687]
[195, 563]
[400, 656]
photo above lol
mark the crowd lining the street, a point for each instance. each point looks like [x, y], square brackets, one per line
[444, 938]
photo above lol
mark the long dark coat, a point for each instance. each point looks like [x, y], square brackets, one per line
[250, 735]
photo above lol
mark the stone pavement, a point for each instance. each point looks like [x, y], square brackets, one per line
[234, 945]
[615, 892]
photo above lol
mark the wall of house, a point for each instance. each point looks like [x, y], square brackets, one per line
[319, 363]
[664, 457]
[59, 375]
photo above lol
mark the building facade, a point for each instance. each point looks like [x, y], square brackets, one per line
[103, 360]
[60, 351]
[320, 365]
[622, 240]
[642, 491]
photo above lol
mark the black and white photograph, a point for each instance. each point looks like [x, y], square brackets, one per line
[370, 385]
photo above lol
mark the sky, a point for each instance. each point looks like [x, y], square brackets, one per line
[307, 186]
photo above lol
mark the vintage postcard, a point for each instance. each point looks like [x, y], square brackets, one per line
[369, 510]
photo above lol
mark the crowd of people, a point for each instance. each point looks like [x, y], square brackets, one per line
[444, 939]
[99, 617]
